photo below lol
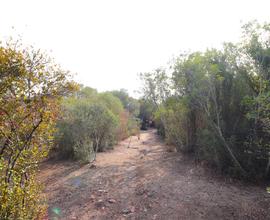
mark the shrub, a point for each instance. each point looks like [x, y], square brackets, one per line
[87, 126]
[30, 91]
[216, 104]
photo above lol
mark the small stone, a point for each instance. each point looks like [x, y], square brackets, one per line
[100, 203]
[132, 209]
[112, 201]
[102, 191]
[93, 166]
[125, 211]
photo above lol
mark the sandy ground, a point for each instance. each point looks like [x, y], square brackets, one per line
[146, 181]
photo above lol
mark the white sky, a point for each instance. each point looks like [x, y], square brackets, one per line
[107, 43]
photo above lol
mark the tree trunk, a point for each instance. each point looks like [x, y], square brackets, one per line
[235, 161]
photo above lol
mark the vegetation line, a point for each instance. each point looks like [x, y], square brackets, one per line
[214, 105]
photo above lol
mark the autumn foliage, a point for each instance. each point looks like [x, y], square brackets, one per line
[31, 87]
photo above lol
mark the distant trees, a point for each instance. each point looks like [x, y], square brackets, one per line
[156, 89]
[147, 109]
[129, 119]
[31, 87]
[218, 104]
[130, 104]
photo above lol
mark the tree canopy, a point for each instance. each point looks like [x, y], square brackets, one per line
[215, 104]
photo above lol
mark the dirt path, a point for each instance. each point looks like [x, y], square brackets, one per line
[147, 182]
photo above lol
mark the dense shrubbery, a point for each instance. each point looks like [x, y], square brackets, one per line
[30, 90]
[147, 109]
[92, 122]
[216, 104]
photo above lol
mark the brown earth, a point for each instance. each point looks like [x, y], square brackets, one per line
[146, 181]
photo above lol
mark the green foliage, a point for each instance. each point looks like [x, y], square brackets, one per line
[111, 102]
[147, 111]
[156, 87]
[92, 122]
[130, 104]
[174, 123]
[218, 107]
[30, 90]
[133, 126]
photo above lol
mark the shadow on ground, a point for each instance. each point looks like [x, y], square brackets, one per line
[147, 182]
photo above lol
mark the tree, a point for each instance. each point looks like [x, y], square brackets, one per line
[147, 110]
[89, 124]
[156, 89]
[130, 104]
[156, 86]
[31, 86]
[218, 104]
[111, 102]
[256, 46]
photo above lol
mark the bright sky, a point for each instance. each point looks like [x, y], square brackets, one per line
[107, 43]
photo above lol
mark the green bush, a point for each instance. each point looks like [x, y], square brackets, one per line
[90, 123]
[83, 150]
[216, 104]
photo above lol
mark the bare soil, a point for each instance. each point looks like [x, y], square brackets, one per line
[146, 181]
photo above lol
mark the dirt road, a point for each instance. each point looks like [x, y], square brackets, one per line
[146, 181]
